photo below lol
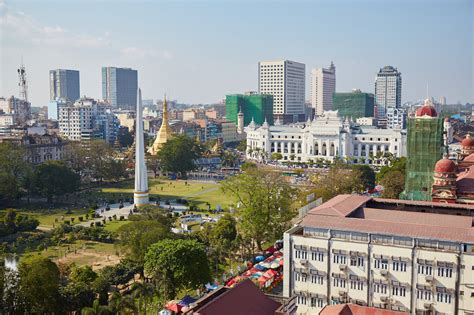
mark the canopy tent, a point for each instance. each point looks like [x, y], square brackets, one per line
[186, 301]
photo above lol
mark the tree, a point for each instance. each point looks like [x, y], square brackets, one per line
[393, 184]
[398, 164]
[101, 162]
[83, 274]
[14, 171]
[366, 175]
[144, 292]
[265, 204]
[124, 136]
[54, 178]
[177, 265]
[101, 286]
[76, 296]
[39, 285]
[137, 236]
[154, 164]
[178, 154]
[242, 146]
[276, 156]
[122, 304]
[97, 309]
[229, 159]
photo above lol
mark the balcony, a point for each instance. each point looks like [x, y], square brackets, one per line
[342, 267]
[384, 272]
[429, 278]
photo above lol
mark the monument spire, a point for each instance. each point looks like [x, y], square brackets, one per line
[140, 194]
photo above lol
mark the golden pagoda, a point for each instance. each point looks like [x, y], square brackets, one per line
[164, 134]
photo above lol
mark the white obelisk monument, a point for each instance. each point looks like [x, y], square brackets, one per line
[140, 195]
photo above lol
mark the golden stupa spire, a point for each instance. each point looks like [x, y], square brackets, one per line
[165, 132]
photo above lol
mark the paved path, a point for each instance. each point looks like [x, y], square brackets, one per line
[201, 192]
[114, 209]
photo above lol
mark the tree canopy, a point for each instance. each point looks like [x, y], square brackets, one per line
[177, 155]
[177, 264]
[54, 178]
[14, 170]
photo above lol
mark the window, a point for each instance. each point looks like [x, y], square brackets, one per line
[445, 272]
[423, 295]
[425, 270]
[399, 291]
[316, 302]
[357, 261]
[357, 285]
[339, 283]
[319, 256]
[317, 279]
[443, 297]
[301, 254]
[301, 299]
[399, 266]
[381, 264]
[339, 259]
[380, 288]
[301, 277]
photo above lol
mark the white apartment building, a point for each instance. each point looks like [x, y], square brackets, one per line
[388, 90]
[285, 80]
[86, 120]
[326, 137]
[396, 118]
[323, 86]
[415, 257]
[18, 108]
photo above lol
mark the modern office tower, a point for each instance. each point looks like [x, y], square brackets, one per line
[87, 120]
[414, 257]
[119, 87]
[388, 90]
[323, 85]
[64, 84]
[442, 100]
[285, 80]
[254, 106]
[355, 104]
[54, 105]
[425, 143]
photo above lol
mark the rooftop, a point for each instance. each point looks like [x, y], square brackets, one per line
[354, 309]
[385, 216]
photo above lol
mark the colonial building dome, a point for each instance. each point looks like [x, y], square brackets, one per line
[467, 142]
[445, 165]
[427, 109]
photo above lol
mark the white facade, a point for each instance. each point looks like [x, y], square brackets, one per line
[140, 193]
[366, 121]
[418, 275]
[396, 118]
[327, 137]
[285, 80]
[323, 86]
[388, 90]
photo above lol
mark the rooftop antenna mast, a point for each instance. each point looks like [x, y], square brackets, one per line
[23, 85]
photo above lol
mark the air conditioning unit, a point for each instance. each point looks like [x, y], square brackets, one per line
[304, 262]
[429, 278]
[342, 293]
[342, 267]
[384, 272]
[427, 305]
[384, 298]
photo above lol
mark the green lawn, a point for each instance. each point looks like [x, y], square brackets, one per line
[197, 192]
[47, 217]
[114, 225]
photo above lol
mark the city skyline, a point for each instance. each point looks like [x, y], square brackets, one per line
[180, 48]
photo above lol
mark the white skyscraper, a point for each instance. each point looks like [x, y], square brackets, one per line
[388, 90]
[140, 194]
[323, 85]
[285, 80]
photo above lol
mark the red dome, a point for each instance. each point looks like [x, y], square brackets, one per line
[445, 165]
[426, 110]
[468, 141]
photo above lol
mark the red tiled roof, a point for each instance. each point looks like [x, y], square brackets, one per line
[244, 298]
[390, 222]
[465, 181]
[340, 206]
[424, 203]
[354, 309]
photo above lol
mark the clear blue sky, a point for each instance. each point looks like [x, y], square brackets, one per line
[199, 51]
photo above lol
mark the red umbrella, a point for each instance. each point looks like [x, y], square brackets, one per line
[174, 307]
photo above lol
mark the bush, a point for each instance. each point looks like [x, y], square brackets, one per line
[122, 218]
[81, 219]
[67, 222]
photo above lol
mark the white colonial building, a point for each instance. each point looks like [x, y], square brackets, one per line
[326, 137]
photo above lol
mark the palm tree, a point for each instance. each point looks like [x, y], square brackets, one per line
[144, 292]
[122, 304]
[96, 309]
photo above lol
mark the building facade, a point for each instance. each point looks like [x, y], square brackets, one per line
[384, 253]
[119, 87]
[396, 118]
[64, 84]
[39, 148]
[285, 80]
[388, 90]
[425, 146]
[323, 85]
[19, 109]
[327, 137]
[87, 120]
[355, 104]
[254, 106]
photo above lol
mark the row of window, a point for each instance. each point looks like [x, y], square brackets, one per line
[427, 270]
[314, 302]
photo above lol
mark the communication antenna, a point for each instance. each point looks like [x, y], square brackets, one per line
[23, 85]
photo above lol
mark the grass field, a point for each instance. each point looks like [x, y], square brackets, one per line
[47, 217]
[114, 225]
[197, 192]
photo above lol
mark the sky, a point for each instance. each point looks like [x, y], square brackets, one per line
[199, 51]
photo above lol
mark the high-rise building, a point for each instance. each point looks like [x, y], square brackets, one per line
[425, 143]
[355, 104]
[285, 80]
[388, 90]
[119, 87]
[413, 257]
[64, 84]
[442, 100]
[323, 85]
[254, 106]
